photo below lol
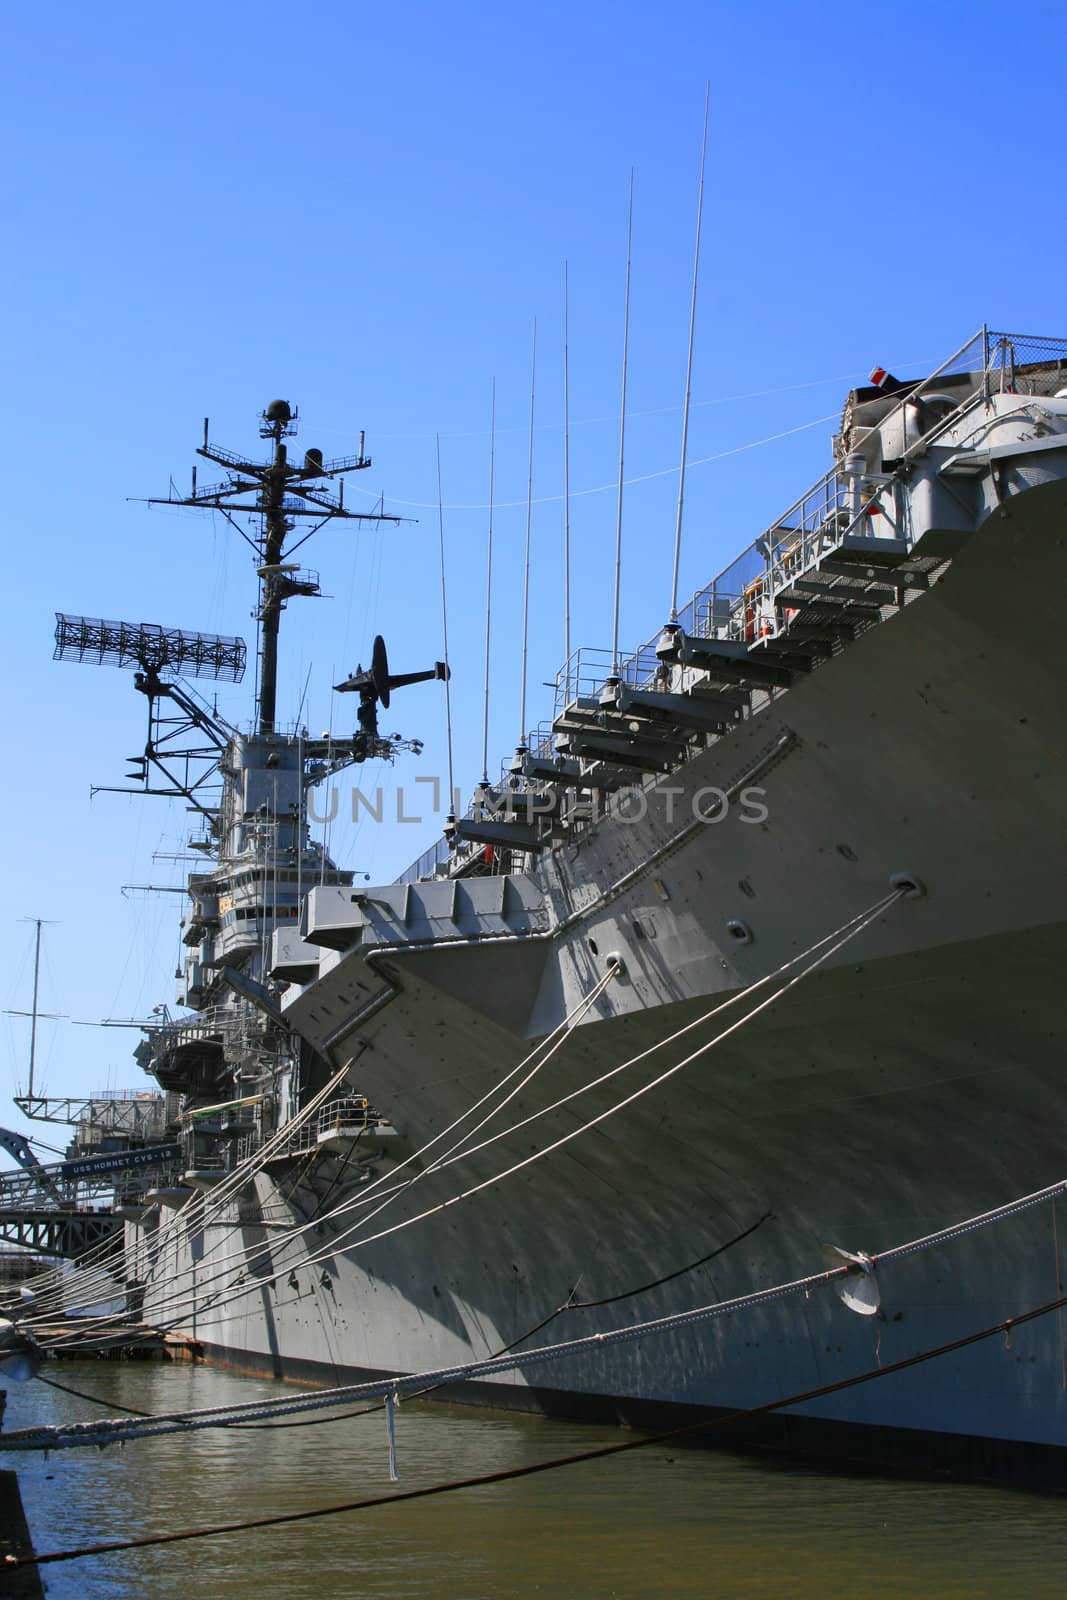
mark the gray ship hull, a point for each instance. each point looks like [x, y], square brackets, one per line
[915, 1080]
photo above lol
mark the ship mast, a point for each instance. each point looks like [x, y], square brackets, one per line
[276, 527]
[284, 493]
[186, 738]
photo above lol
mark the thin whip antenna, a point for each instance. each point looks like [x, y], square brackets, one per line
[529, 521]
[38, 923]
[622, 434]
[303, 696]
[444, 635]
[566, 481]
[489, 582]
[34, 1014]
[689, 360]
[36, 983]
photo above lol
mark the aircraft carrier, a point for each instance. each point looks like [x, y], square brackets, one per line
[751, 951]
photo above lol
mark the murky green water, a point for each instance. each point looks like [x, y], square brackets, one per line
[653, 1522]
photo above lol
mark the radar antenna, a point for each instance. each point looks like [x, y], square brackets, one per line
[147, 646]
[175, 712]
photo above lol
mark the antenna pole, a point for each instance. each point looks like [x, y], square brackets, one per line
[566, 480]
[451, 814]
[529, 520]
[689, 361]
[489, 581]
[622, 433]
[33, 1014]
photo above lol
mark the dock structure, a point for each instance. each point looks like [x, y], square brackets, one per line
[52, 1232]
[64, 1210]
[64, 1340]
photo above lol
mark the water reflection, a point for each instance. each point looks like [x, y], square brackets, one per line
[658, 1522]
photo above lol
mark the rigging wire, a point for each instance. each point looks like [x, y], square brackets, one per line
[849, 929]
[295, 1236]
[444, 638]
[689, 361]
[858, 375]
[367, 1197]
[622, 433]
[829, 945]
[546, 1150]
[526, 571]
[224, 1192]
[643, 477]
[570, 1304]
[449, 1158]
[200, 1212]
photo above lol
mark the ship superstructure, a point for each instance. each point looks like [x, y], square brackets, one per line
[232, 1067]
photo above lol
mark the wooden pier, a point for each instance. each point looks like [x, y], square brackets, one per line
[119, 1341]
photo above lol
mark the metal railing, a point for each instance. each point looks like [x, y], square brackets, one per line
[123, 1094]
[246, 1146]
[427, 865]
[128, 1113]
[588, 669]
[298, 575]
[348, 1112]
[216, 1161]
[740, 604]
[214, 1022]
[231, 1025]
[135, 1192]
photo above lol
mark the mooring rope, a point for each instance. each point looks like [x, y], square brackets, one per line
[708, 1425]
[828, 946]
[570, 1304]
[179, 1299]
[221, 1196]
[112, 1430]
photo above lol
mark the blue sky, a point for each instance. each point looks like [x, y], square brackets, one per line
[363, 209]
